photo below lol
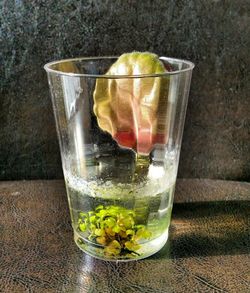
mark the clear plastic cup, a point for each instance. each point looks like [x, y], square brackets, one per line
[120, 148]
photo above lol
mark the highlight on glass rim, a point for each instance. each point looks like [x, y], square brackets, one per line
[120, 123]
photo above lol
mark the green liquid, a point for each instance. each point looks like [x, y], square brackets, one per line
[151, 203]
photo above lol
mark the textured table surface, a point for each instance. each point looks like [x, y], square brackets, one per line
[208, 248]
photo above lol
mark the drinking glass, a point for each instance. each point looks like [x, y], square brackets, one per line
[120, 139]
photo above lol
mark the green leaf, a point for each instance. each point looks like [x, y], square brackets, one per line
[100, 232]
[101, 240]
[110, 232]
[110, 222]
[146, 234]
[130, 232]
[82, 227]
[128, 222]
[114, 248]
[101, 214]
[91, 237]
[143, 233]
[131, 213]
[98, 208]
[113, 227]
[82, 215]
[132, 246]
[139, 227]
[123, 234]
[92, 219]
[116, 229]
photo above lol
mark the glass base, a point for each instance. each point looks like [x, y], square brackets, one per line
[147, 248]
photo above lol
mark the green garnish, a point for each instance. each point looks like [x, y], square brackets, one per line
[114, 228]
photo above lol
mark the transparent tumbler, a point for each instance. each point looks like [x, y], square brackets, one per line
[120, 139]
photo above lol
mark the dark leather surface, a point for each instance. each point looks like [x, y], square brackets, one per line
[208, 249]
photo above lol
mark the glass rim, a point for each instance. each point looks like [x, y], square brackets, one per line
[48, 68]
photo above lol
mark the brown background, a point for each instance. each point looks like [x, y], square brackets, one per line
[213, 34]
